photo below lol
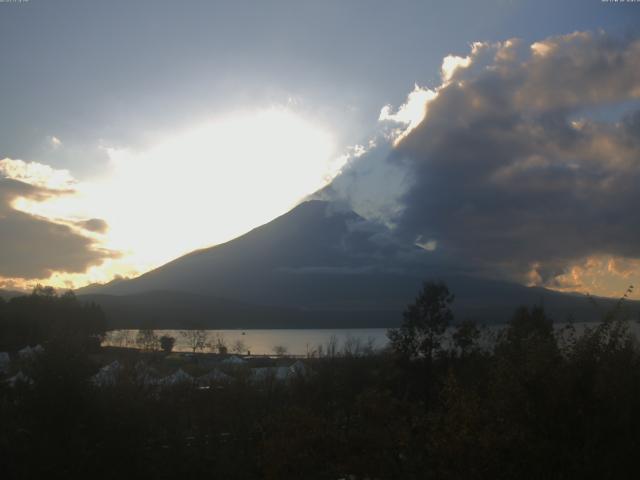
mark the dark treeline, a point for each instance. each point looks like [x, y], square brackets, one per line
[533, 403]
[44, 317]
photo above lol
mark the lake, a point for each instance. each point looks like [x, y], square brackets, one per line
[300, 342]
[263, 342]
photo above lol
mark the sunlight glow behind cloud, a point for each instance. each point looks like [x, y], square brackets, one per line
[198, 187]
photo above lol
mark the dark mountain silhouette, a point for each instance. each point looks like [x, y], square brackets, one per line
[316, 266]
[7, 294]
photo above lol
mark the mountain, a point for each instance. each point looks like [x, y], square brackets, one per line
[8, 294]
[315, 266]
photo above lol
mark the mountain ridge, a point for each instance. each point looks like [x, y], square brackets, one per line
[314, 266]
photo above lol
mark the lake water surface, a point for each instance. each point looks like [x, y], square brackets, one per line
[300, 342]
[263, 342]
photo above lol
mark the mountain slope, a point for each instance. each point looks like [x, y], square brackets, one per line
[310, 257]
[314, 266]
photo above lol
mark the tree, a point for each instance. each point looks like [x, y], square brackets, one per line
[280, 350]
[43, 317]
[44, 291]
[121, 338]
[166, 343]
[239, 346]
[196, 339]
[527, 326]
[466, 337]
[220, 344]
[147, 339]
[425, 322]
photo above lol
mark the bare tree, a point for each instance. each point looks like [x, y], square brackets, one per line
[147, 339]
[280, 350]
[352, 347]
[195, 339]
[125, 338]
[332, 347]
[370, 346]
[118, 338]
[239, 346]
[220, 344]
[311, 352]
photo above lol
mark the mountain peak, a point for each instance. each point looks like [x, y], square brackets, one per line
[314, 238]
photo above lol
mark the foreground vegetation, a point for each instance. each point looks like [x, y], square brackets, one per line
[533, 402]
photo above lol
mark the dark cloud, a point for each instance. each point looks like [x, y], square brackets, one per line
[96, 225]
[509, 174]
[506, 174]
[34, 247]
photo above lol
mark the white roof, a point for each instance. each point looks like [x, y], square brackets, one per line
[298, 368]
[107, 375]
[19, 378]
[28, 352]
[5, 360]
[179, 376]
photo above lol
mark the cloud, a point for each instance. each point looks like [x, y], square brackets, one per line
[508, 172]
[36, 174]
[187, 189]
[451, 63]
[95, 225]
[503, 175]
[369, 183]
[33, 247]
[55, 142]
[411, 113]
[600, 274]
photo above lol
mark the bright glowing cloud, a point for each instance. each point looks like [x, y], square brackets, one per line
[36, 174]
[599, 275]
[540, 49]
[451, 63]
[411, 113]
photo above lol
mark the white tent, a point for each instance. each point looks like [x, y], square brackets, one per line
[179, 376]
[5, 361]
[298, 368]
[28, 353]
[213, 376]
[107, 376]
[19, 378]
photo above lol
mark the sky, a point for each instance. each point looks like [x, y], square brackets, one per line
[134, 132]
